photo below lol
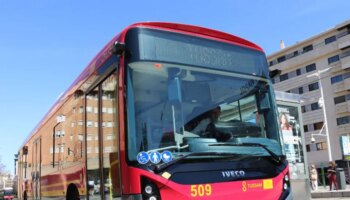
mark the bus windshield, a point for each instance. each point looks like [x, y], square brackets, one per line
[186, 109]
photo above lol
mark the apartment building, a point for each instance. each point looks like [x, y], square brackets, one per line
[320, 64]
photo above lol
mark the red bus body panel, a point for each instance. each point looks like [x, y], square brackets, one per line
[264, 189]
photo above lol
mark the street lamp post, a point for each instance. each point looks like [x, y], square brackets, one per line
[318, 75]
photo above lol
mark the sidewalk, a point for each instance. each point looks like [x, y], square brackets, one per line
[323, 192]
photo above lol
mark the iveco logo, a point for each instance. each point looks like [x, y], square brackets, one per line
[233, 174]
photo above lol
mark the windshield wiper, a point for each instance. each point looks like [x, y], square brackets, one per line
[274, 157]
[169, 148]
[162, 166]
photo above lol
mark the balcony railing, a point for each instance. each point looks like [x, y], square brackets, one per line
[342, 108]
[338, 87]
[343, 129]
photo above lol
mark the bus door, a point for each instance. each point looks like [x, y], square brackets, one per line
[102, 145]
[36, 172]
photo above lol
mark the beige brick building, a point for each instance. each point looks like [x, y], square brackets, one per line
[329, 54]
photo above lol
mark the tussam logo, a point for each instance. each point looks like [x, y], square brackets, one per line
[233, 173]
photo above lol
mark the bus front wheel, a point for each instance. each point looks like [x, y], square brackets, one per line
[72, 192]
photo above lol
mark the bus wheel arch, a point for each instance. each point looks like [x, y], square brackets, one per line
[72, 192]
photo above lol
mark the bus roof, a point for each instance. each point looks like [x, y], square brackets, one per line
[199, 31]
[105, 53]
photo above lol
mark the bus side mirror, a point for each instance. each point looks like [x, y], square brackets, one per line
[118, 48]
[274, 73]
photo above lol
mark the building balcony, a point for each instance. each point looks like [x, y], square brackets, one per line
[336, 67]
[347, 84]
[345, 62]
[304, 58]
[338, 87]
[343, 129]
[342, 108]
[344, 42]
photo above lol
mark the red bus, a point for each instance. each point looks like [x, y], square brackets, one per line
[164, 111]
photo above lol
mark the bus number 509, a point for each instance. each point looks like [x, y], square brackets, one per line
[201, 190]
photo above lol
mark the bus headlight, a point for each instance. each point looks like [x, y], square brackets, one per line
[149, 190]
[286, 190]
[286, 182]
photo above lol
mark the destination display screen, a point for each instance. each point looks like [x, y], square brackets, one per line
[156, 45]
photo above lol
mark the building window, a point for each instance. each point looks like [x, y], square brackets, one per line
[295, 53]
[104, 110]
[89, 137]
[311, 67]
[318, 125]
[315, 106]
[346, 75]
[110, 136]
[80, 137]
[330, 39]
[308, 48]
[281, 59]
[298, 72]
[108, 149]
[110, 110]
[81, 109]
[333, 59]
[321, 146]
[340, 99]
[271, 63]
[345, 54]
[307, 148]
[303, 110]
[313, 86]
[89, 123]
[306, 129]
[301, 90]
[109, 124]
[89, 109]
[283, 77]
[342, 120]
[336, 79]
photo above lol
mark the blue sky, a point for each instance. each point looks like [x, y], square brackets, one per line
[45, 44]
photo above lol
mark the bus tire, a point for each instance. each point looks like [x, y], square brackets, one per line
[72, 192]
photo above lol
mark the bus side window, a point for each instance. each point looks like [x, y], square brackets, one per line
[110, 135]
[103, 141]
[92, 151]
